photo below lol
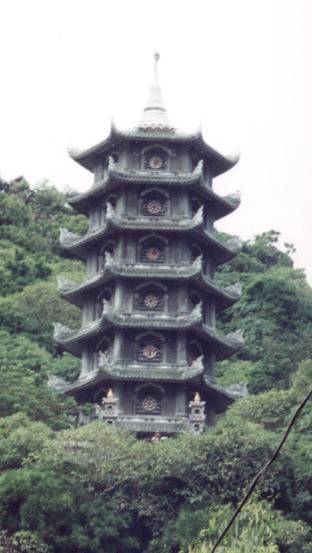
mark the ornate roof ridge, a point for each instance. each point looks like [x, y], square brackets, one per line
[66, 286]
[224, 204]
[232, 392]
[150, 319]
[72, 290]
[71, 241]
[219, 162]
[231, 293]
[116, 135]
[161, 271]
[115, 175]
[225, 250]
[163, 371]
[156, 176]
[64, 335]
[146, 222]
[226, 344]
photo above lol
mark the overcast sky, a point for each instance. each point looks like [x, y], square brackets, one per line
[241, 68]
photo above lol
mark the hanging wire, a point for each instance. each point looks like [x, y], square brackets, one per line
[262, 471]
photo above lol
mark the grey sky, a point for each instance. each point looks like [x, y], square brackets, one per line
[242, 68]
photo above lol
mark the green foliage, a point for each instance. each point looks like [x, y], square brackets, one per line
[34, 310]
[302, 379]
[22, 542]
[20, 437]
[60, 511]
[96, 488]
[29, 228]
[275, 313]
[17, 268]
[258, 528]
[155, 481]
[24, 369]
[232, 371]
[271, 409]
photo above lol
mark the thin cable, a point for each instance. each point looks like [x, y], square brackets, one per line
[262, 471]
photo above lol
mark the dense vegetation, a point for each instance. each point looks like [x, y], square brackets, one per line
[96, 489]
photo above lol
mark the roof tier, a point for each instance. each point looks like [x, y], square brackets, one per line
[73, 340]
[114, 177]
[142, 372]
[168, 373]
[76, 293]
[78, 246]
[217, 162]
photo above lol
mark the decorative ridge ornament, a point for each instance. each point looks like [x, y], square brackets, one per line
[156, 60]
[155, 115]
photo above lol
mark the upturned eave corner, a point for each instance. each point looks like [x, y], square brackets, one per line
[219, 163]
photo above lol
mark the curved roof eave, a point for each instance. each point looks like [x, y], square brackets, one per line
[219, 163]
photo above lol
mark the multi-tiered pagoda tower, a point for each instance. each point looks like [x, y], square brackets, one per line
[148, 339]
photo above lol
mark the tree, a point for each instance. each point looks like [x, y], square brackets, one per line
[24, 369]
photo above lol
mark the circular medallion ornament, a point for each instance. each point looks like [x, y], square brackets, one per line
[155, 162]
[149, 403]
[154, 207]
[153, 254]
[150, 351]
[151, 301]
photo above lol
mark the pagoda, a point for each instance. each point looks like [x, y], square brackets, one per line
[148, 340]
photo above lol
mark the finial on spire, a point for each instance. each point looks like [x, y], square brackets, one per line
[156, 60]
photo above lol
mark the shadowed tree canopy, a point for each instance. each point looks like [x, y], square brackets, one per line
[91, 489]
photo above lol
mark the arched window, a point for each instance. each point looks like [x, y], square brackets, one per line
[195, 205]
[152, 249]
[153, 203]
[103, 352]
[194, 351]
[115, 157]
[155, 158]
[112, 157]
[99, 302]
[108, 247]
[103, 208]
[194, 161]
[195, 297]
[149, 400]
[150, 297]
[196, 252]
[150, 348]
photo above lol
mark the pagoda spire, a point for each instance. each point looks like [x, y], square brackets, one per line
[155, 115]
